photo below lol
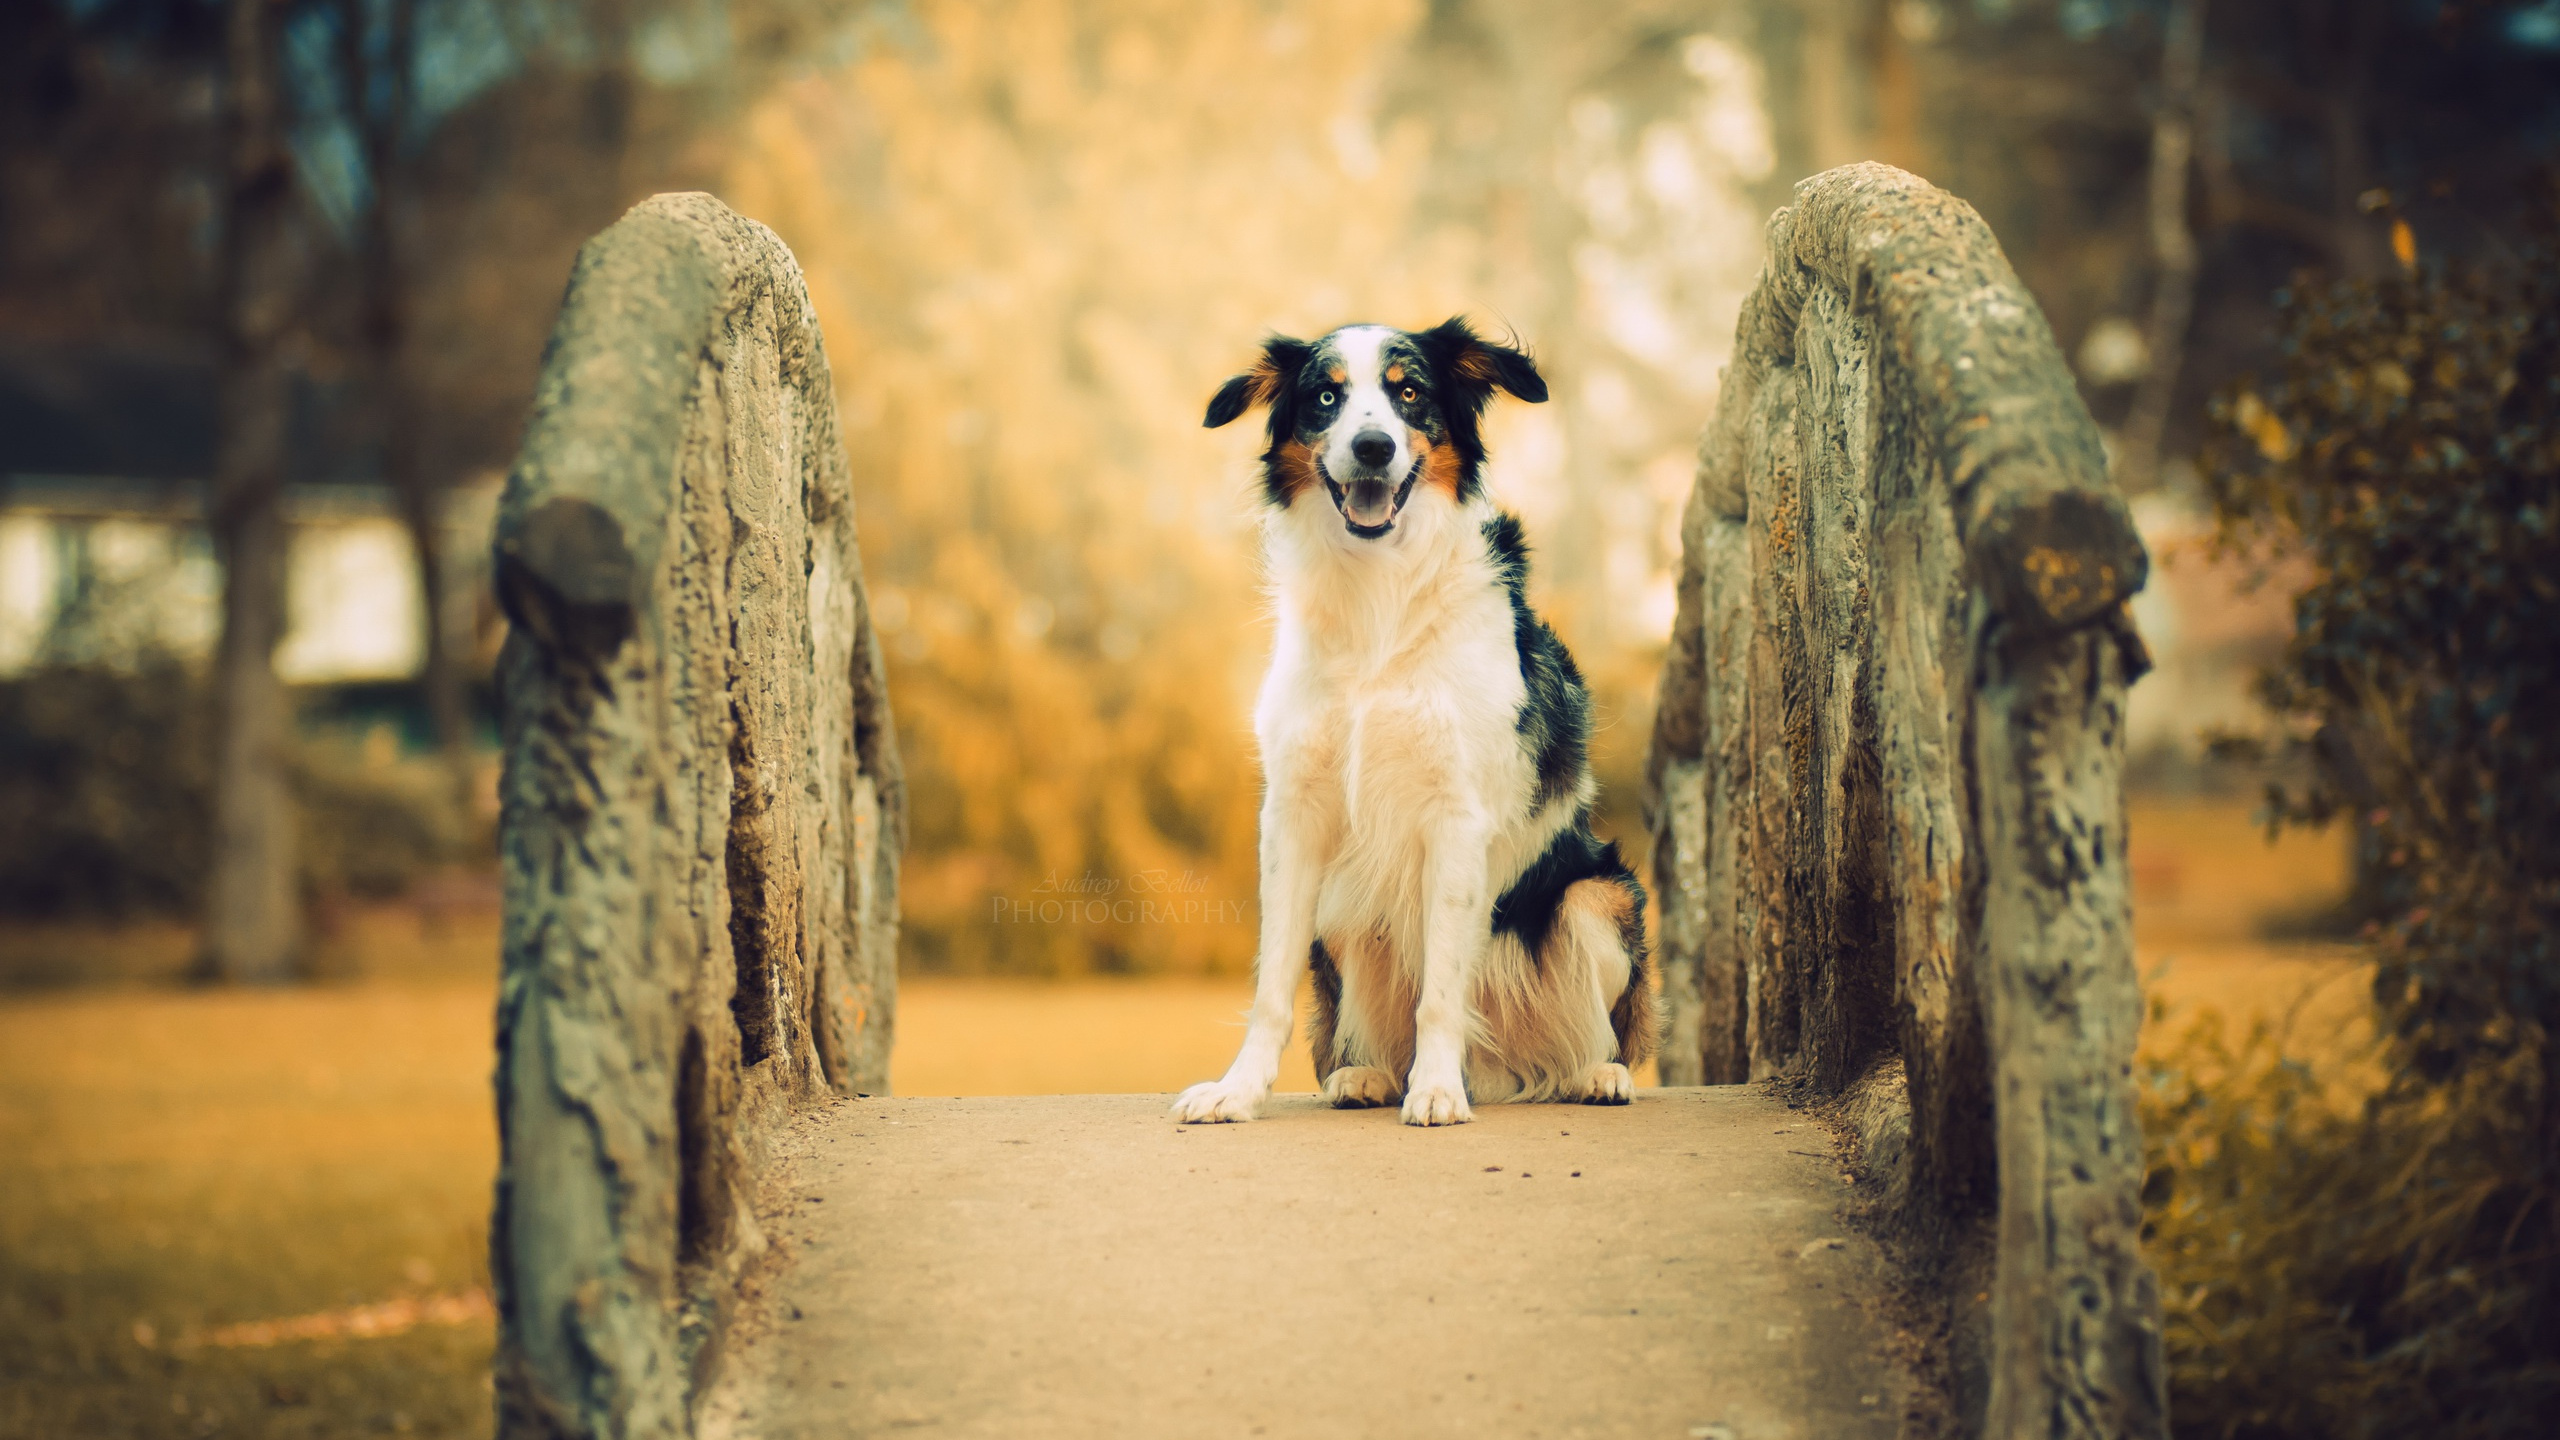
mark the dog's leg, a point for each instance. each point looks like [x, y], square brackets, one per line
[1359, 1087]
[1455, 929]
[1289, 875]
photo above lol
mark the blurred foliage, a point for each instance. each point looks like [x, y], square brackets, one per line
[2410, 449]
[375, 822]
[2397, 1270]
[106, 800]
[105, 792]
[2343, 1265]
[1039, 235]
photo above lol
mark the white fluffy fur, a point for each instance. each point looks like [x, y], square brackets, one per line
[1396, 809]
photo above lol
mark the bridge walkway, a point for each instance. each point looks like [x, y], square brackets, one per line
[1081, 1266]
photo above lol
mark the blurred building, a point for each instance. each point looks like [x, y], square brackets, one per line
[111, 571]
[104, 555]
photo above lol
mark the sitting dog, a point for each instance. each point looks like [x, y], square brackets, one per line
[1426, 837]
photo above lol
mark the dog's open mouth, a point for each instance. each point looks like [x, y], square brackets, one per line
[1368, 509]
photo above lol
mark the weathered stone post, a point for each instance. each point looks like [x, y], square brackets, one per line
[1886, 781]
[701, 811]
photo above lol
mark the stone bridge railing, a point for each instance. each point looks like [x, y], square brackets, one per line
[702, 811]
[1889, 829]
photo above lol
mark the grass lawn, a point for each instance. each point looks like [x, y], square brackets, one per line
[181, 1161]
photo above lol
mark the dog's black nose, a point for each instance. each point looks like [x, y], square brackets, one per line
[1372, 448]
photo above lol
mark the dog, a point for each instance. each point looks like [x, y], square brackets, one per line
[1426, 818]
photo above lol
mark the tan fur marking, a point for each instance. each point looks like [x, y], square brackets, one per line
[1439, 464]
[1395, 373]
[1611, 903]
[1632, 1015]
[1337, 374]
[1266, 382]
[1294, 466]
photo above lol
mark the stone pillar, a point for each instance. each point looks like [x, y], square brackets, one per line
[1886, 784]
[701, 811]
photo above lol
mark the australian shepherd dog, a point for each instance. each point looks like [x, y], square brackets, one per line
[1426, 839]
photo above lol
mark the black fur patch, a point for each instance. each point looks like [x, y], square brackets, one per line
[1555, 713]
[1528, 908]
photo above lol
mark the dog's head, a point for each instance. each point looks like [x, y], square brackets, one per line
[1366, 415]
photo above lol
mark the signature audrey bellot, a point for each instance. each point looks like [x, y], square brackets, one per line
[1145, 897]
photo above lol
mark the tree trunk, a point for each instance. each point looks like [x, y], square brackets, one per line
[2361, 253]
[385, 330]
[421, 508]
[2173, 244]
[1894, 92]
[1824, 99]
[253, 929]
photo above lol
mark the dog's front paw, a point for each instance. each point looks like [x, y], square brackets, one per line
[1437, 1104]
[1608, 1084]
[1215, 1102]
[1359, 1087]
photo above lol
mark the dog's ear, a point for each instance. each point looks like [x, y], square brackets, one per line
[1475, 365]
[1269, 379]
[1233, 399]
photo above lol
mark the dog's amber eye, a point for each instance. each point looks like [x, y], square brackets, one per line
[1325, 399]
[1410, 394]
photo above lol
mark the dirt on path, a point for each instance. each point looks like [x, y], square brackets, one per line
[1079, 1265]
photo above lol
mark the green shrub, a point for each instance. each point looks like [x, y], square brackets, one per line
[2394, 1268]
[105, 779]
[106, 800]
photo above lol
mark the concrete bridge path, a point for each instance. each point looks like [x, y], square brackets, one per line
[1081, 1266]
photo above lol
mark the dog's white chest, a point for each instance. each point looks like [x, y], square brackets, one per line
[1389, 765]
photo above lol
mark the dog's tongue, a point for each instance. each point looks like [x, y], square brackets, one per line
[1368, 502]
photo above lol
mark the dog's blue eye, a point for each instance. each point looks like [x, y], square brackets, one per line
[1325, 399]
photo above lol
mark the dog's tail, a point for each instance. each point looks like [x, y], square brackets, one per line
[1636, 1017]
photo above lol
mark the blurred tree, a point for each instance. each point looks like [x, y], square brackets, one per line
[112, 142]
[253, 917]
[2062, 121]
[2173, 243]
[376, 83]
